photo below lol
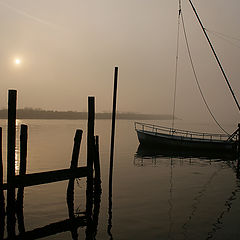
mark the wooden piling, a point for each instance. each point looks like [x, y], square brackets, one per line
[76, 149]
[90, 134]
[70, 189]
[11, 143]
[113, 125]
[23, 149]
[90, 157]
[97, 162]
[238, 152]
[2, 203]
[112, 153]
[22, 171]
[1, 164]
[12, 103]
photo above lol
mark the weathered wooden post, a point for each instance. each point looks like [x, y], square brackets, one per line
[90, 157]
[22, 171]
[70, 189]
[2, 204]
[113, 126]
[76, 149]
[1, 163]
[23, 149]
[11, 142]
[97, 180]
[238, 152]
[112, 152]
[97, 200]
[90, 136]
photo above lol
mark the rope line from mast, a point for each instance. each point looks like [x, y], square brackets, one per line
[196, 78]
[176, 66]
[215, 55]
[224, 37]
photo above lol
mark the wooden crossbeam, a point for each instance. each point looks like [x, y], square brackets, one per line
[47, 177]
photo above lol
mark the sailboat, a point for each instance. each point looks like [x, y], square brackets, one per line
[154, 136]
[159, 136]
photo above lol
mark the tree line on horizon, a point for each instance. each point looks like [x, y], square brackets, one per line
[31, 113]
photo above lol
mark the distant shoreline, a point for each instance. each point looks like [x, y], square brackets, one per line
[71, 115]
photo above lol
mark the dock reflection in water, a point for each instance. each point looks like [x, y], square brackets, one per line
[75, 220]
[155, 157]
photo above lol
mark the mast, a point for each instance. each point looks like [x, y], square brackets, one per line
[215, 55]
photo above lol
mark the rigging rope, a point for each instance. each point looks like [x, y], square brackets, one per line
[196, 78]
[176, 67]
[215, 55]
[222, 34]
[224, 37]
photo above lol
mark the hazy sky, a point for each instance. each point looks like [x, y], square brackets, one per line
[68, 50]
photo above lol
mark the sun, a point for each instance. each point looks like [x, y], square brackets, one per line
[17, 61]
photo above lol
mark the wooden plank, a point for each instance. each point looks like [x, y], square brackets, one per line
[48, 177]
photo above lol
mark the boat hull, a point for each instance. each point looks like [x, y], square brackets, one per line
[164, 140]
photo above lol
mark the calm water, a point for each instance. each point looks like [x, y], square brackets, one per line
[153, 198]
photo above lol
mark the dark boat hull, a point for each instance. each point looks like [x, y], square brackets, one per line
[163, 140]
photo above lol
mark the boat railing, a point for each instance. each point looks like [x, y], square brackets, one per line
[233, 136]
[155, 129]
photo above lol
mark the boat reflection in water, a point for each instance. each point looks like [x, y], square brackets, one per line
[176, 158]
[144, 151]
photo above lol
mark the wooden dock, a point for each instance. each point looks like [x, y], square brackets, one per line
[14, 209]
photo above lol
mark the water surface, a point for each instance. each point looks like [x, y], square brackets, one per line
[154, 197]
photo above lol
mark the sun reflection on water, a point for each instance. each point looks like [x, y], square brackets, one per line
[17, 148]
[17, 160]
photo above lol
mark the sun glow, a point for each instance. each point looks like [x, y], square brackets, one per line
[17, 61]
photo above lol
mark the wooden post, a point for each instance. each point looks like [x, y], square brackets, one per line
[90, 135]
[22, 171]
[112, 152]
[97, 162]
[1, 165]
[23, 149]
[76, 148]
[113, 125]
[70, 189]
[238, 152]
[90, 157]
[12, 102]
[96, 210]
[2, 204]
